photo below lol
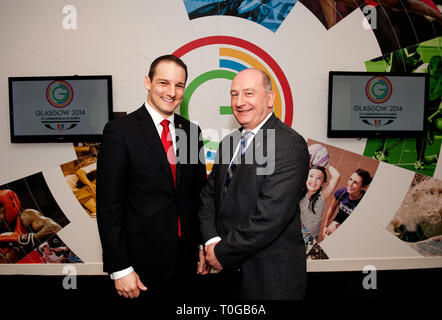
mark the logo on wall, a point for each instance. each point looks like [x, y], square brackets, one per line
[59, 93]
[228, 56]
[378, 89]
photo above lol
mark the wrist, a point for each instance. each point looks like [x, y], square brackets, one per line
[121, 274]
[212, 240]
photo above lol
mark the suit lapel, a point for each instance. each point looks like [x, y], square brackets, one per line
[151, 134]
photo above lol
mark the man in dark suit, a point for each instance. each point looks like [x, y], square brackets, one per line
[250, 220]
[147, 197]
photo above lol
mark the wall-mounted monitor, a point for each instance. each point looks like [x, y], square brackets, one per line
[377, 104]
[59, 108]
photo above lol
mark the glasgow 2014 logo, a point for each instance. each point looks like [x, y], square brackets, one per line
[378, 89]
[59, 93]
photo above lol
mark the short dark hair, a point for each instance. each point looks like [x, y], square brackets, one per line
[365, 175]
[167, 57]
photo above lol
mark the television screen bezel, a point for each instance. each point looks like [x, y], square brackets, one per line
[382, 133]
[60, 137]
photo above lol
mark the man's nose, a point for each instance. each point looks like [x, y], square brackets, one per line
[240, 100]
[171, 91]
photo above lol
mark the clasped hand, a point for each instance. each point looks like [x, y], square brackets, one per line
[208, 260]
[130, 286]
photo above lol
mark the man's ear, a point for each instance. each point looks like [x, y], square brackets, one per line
[147, 82]
[271, 97]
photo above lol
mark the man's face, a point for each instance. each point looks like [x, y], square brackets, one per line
[249, 100]
[166, 89]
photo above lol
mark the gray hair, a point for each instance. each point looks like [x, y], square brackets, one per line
[267, 81]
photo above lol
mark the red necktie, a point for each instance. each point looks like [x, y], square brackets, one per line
[166, 139]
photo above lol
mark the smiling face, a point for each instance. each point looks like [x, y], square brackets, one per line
[354, 185]
[315, 180]
[166, 88]
[250, 101]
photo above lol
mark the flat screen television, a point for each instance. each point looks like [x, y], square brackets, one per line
[377, 104]
[59, 108]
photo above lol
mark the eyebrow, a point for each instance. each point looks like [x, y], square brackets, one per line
[160, 79]
[246, 89]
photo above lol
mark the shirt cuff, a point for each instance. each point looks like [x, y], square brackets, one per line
[210, 241]
[120, 274]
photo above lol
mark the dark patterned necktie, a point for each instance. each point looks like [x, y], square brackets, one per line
[237, 160]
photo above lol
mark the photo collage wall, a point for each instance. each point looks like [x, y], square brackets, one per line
[363, 199]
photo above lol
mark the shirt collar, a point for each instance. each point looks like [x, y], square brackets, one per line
[157, 117]
[255, 131]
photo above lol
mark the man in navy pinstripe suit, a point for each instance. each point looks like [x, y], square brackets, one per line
[251, 225]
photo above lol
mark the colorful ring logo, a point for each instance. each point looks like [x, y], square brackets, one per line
[378, 89]
[59, 93]
[226, 62]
